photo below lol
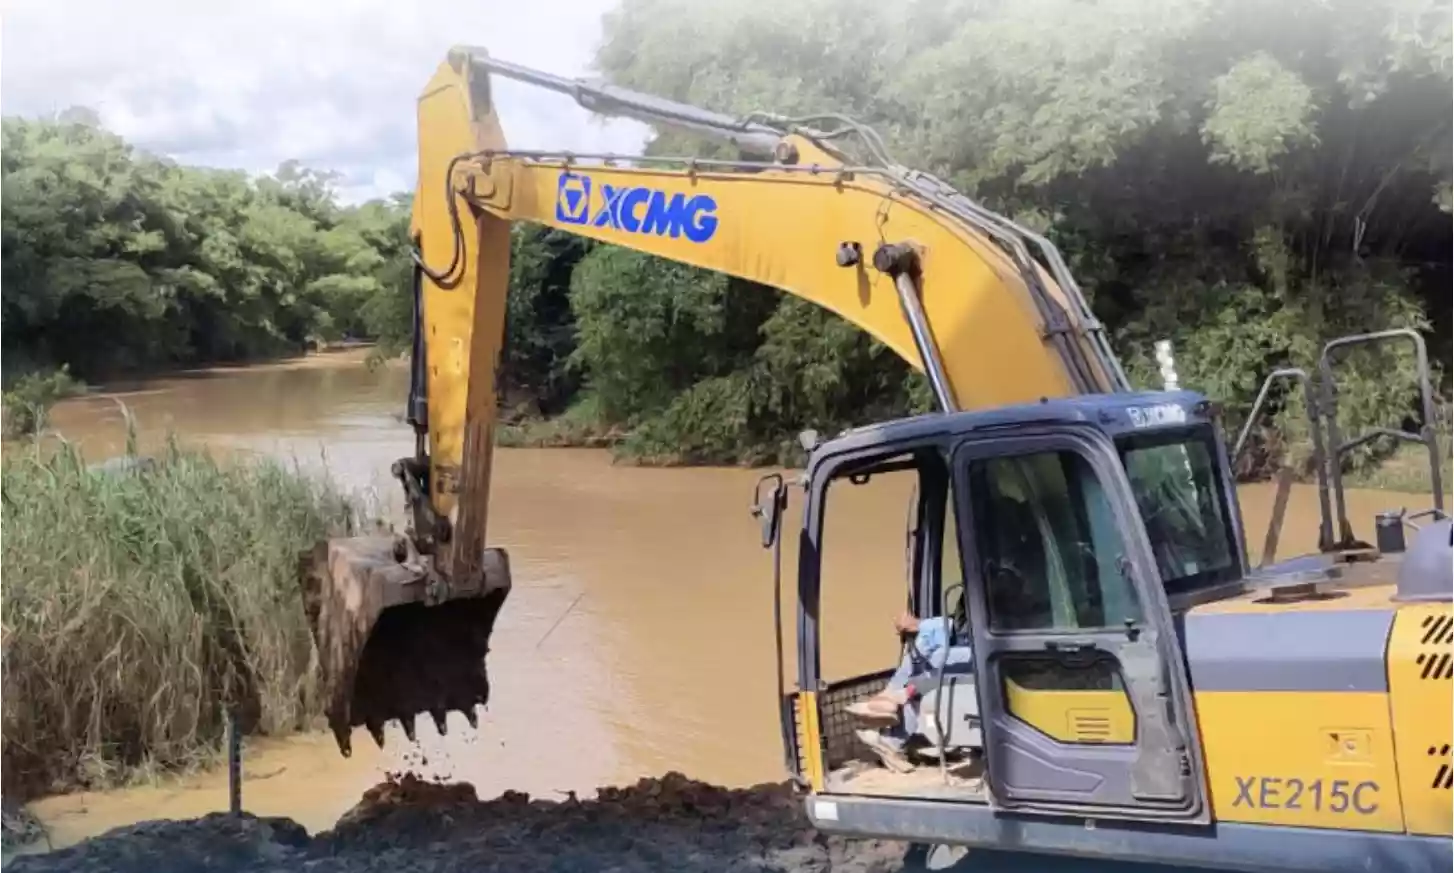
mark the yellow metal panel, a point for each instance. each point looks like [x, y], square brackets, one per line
[783, 229]
[1305, 759]
[444, 131]
[464, 312]
[812, 738]
[1099, 717]
[1420, 663]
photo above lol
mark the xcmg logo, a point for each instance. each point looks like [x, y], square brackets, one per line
[635, 209]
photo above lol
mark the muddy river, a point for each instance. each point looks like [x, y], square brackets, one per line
[638, 638]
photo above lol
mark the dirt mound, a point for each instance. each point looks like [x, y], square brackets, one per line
[670, 824]
[214, 842]
[408, 791]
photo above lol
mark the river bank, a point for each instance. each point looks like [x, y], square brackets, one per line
[1404, 467]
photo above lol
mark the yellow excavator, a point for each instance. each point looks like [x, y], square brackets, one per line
[1118, 682]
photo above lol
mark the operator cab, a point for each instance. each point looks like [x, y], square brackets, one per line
[1058, 552]
[1059, 539]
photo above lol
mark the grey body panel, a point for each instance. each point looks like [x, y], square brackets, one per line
[1031, 761]
[954, 704]
[1236, 847]
[1333, 650]
[1109, 413]
[1427, 574]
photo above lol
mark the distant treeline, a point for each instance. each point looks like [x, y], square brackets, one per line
[116, 260]
[1244, 179]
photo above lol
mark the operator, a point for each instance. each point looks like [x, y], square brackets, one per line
[936, 643]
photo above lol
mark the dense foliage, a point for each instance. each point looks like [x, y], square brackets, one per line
[144, 598]
[116, 260]
[1247, 180]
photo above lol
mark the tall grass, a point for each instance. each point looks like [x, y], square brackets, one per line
[139, 604]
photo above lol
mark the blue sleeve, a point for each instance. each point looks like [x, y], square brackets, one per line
[933, 636]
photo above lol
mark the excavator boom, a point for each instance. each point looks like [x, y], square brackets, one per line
[984, 307]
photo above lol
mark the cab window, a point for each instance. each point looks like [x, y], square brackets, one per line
[1050, 553]
[1178, 491]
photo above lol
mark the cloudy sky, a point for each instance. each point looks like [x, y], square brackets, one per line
[329, 82]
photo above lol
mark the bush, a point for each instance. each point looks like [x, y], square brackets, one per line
[26, 403]
[141, 601]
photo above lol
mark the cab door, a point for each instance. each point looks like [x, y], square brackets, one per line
[1085, 700]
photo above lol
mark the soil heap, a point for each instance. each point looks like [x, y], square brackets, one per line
[406, 823]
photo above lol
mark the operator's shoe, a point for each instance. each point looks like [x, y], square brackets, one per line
[892, 757]
[884, 705]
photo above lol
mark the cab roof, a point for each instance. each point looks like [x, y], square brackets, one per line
[1115, 414]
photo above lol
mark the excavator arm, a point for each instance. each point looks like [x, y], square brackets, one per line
[985, 308]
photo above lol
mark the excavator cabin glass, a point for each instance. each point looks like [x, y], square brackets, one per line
[1044, 560]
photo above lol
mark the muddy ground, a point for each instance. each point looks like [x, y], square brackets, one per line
[407, 825]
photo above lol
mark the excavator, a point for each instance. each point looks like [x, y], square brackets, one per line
[1130, 687]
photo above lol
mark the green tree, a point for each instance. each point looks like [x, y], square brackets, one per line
[114, 259]
[1248, 182]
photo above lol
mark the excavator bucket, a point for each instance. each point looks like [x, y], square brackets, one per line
[394, 640]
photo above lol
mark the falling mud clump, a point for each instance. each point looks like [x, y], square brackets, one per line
[407, 823]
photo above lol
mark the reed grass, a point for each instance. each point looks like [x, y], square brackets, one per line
[139, 604]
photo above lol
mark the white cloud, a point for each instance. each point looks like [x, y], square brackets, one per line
[329, 82]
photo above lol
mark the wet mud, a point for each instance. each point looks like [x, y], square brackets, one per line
[407, 823]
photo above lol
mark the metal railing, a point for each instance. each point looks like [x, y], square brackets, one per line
[1329, 450]
[1427, 433]
[1325, 524]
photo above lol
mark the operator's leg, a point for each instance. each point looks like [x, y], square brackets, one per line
[948, 657]
[904, 671]
[930, 643]
[889, 743]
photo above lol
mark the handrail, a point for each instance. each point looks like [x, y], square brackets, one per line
[1427, 433]
[1325, 521]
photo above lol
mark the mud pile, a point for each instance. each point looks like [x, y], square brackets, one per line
[668, 824]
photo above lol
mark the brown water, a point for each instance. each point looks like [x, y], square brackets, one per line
[638, 638]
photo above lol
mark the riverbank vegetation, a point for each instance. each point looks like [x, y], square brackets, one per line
[1247, 183]
[26, 400]
[115, 260]
[141, 601]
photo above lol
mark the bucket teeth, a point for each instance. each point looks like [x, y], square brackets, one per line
[379, 663]
[345, 742]
[472, 717]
